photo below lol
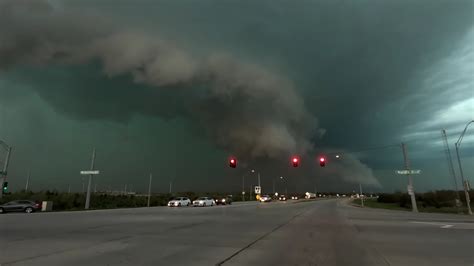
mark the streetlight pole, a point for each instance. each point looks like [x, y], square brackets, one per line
[465, 182]
[5, 166]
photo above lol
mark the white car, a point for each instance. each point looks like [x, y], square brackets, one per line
[204, 201]
[265, 198]
[179, 201]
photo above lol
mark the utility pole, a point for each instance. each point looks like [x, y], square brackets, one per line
[451, 167]
[361, 196]
[149, 191]
[27, 181]
[273, 185]
[5, 167]
[259, 179]
[69, 189]
[89, 183]
[465, 182]
[411, 190]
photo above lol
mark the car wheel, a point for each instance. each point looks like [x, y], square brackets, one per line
[179, 204]
[28, 210]
[2, 210]
[189, 203]
[204, 204]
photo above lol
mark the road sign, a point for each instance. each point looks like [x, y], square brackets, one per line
[90, 172]
[408, 172]
[410, 190]
[258, 190]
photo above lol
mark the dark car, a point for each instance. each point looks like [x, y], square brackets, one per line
[227, 200]
[27, 206]
[282, 198]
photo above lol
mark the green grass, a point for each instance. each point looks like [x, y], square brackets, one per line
[372, 203]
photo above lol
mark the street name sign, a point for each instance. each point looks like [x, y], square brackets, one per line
[90, 172]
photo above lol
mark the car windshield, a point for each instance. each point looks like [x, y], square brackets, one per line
[361, 109]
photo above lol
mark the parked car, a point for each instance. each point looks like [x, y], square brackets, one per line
[282, 198]
[27, 206]
[265, 198]
[224, 200]
[179, 201]
[204, 201]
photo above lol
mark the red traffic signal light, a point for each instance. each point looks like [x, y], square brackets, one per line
[322, 161]
[295, 161]
[233, 162]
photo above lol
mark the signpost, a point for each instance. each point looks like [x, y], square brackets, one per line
[90, 172]
[408, 173]
[258, 190]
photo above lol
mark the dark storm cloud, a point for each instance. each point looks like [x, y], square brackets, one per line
[368, 70]
[247, 109]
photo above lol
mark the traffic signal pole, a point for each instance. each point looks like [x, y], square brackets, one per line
[5, 169]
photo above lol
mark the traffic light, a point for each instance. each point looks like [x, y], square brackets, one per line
[322, 161]
[5, 187]
[233, 162]
[295, 161]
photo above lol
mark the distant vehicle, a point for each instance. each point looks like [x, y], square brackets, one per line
[227, 200]
[294, 197]
[265, 198]
[27, 206]
[204, 201]
[179, 201]
[282, 198]
[309, 195]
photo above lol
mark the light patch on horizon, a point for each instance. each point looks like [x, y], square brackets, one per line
[452, 78]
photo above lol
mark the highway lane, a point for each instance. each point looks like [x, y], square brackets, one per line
[327, 232]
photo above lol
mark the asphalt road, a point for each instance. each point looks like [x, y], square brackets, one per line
[326, 232]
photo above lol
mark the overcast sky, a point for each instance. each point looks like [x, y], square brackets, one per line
[176, 87]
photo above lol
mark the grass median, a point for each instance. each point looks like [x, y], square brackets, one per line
[373, 203]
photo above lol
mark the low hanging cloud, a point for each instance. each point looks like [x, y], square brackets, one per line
[245, 108]
[349, 169]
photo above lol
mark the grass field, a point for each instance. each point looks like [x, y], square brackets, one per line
[372, 203]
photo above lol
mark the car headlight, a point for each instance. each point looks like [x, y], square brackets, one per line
[223, 200]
